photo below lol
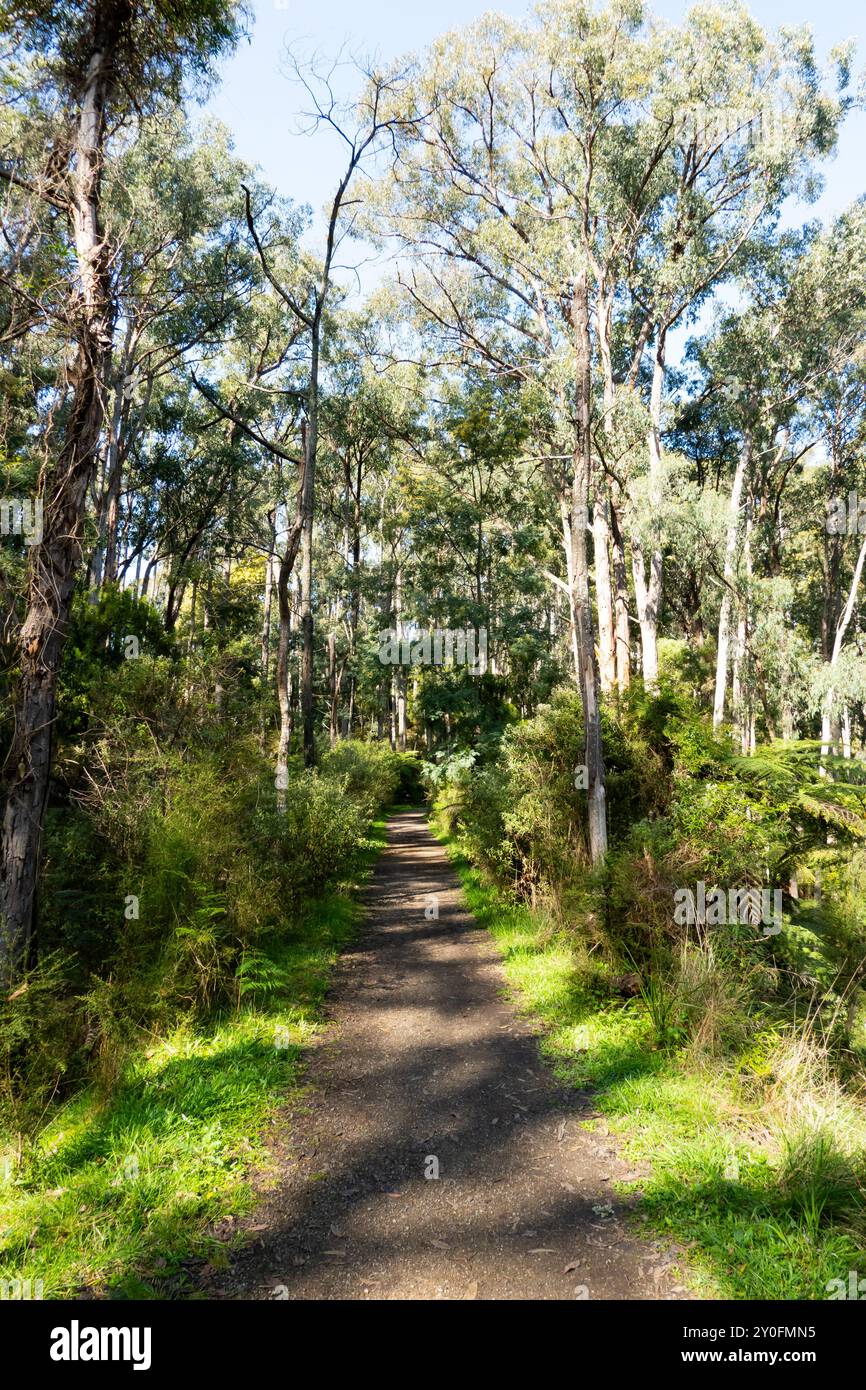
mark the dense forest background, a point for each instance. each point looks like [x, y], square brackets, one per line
[276, 555]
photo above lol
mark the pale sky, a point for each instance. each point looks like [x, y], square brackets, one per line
[260, 105]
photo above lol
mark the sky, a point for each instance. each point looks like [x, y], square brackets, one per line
[261, 106]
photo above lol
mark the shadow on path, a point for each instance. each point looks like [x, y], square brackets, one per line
[427, 1068]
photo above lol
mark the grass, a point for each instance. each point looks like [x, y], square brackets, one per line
[120, 1196]
[761, 1209]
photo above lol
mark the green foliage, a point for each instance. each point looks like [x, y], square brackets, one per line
[370, 773]
[170, 871]
[753, 1163]
[103, 636]
[682, 809]
[120, 1190]
[522, 810]
[41, 1035]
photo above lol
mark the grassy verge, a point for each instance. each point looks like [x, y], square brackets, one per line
[761, 1212]
[120, 1193]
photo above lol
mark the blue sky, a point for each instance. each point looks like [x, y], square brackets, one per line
[260, 106]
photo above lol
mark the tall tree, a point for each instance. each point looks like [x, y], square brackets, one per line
[102, 64]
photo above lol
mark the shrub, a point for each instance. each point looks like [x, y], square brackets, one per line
[520, 812]
[371, 774]
[41, 1037]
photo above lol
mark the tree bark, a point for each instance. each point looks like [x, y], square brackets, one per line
[270, 575]
[400, 669]
[724, 640]
[582, 603]
[306, 603]
[620, 575]
[648, 587]
[603, 590]
[828, 712]
[287, 564]
[56, 559]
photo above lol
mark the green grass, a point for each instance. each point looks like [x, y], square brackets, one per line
[118, 1195]
[755, 1219]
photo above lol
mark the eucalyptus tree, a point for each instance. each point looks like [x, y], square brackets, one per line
[362, 128]
[477, 516]
[785, 374]
[563, 203]
[372, 415]
[182, 270]
[259, 388]
[94, 70]
[737, 123]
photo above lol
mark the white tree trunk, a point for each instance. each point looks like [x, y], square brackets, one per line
[648, 588]
[841, 628]
[724, 640]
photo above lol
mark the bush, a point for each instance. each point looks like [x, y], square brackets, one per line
[41, 1037]
[682, 808]
[170, 875]
[369, 773]
[520, 813]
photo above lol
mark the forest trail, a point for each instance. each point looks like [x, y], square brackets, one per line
[424, 1058]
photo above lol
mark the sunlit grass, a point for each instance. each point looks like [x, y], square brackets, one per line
[119, 1195]
[758, 1211]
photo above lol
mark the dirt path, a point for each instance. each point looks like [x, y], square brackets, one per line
[425, 1061]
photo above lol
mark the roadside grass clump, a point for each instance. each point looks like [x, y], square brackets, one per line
[168, 1036]
[749, 1145]
[124, 1191]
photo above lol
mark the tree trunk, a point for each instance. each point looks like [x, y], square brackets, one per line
[828, 712]
[566, 519]
[648, 589]
[603, 590]
[108, 482]
[724, 641]
[742, 704]
[602, 517]
[306, 605]
[270, 574]
[56, 559]
[287, 564]
[400, 670]
[620, 576]
[333, 688]
[582, 603]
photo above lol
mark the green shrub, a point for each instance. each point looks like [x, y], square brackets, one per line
[369, 773]
[42, 1038]
[520, 812]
